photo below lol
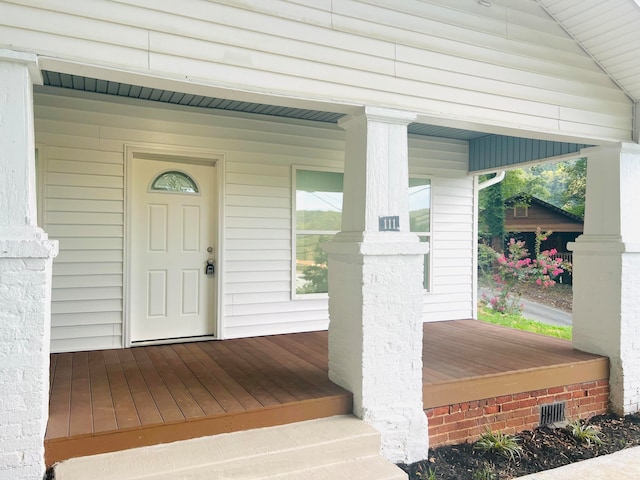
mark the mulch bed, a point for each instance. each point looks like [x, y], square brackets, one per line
[542, 449]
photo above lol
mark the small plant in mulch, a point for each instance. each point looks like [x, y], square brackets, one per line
[423, 472]
[484, 473]
[585, 433]
[500, 443]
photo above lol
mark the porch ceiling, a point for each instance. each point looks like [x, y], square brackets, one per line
[487, 152]
[94, 85]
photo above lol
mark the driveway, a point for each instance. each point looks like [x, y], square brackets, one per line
[539, 312]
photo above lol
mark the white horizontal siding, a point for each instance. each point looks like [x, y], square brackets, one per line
[506, 65]
[88, 221]
[84, 208]
[452, 237]
[83, 198]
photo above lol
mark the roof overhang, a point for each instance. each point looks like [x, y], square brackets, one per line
[487, 151]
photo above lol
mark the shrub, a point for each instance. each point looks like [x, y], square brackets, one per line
[514, 268]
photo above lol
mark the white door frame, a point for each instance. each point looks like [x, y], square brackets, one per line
[175, 154]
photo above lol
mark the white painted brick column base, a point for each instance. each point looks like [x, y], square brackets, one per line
[606, 270]
[606, 313]
[375, 336]
[25, 300]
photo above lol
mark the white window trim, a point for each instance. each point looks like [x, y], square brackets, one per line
[429, 234]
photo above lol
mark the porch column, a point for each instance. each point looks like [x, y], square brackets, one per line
[606, 270]
[375, 286]
[25, 279]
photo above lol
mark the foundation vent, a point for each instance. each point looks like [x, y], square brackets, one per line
[552, 413]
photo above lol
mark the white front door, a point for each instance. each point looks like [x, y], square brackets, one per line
[172, 231]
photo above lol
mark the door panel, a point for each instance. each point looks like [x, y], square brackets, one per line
[171, 296]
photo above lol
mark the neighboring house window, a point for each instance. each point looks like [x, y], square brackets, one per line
[174, 182]
[318, 217]
[521, 211]
[420, 218]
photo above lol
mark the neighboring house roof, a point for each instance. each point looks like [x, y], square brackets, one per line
[540, 214]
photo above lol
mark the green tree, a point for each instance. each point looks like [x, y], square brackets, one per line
[562, 184]
[576, 190]
[316, 275]
[491, 203]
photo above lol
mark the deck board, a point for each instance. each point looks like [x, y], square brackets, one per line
[179, 391]
[60, 400]
[148, 412]
[82, 420]
[115, 399]
[104, 418]
[209, 382]
[218, 376]
[164, 401]
[124, 407]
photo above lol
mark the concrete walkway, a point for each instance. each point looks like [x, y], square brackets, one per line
[622, 465]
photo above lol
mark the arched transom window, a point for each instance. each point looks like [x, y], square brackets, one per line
[175, 182]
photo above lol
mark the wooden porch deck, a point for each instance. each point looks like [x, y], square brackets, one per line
[117, 399]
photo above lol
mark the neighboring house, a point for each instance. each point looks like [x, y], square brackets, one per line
[525, 214]
[192, 159]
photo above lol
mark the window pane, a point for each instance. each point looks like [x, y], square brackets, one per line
[420, 205]
[176, 182]
[319, 209]
[318, 200]
[311, 264]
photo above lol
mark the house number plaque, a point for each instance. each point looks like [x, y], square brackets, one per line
[389, 224]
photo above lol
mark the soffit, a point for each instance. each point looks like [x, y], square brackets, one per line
[609, 31]
[94, 85]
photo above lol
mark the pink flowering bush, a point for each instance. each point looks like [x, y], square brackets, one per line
[515, 267]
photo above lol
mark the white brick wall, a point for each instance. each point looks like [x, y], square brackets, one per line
[630, 332]
[24, 355]
[606, 271]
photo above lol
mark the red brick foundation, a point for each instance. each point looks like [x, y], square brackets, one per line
[514, 413]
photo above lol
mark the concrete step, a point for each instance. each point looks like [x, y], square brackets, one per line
[328, 448]
[369, 468]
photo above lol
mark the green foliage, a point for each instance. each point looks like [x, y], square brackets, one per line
[561, 184]
[585, 433]
[485, 473]
[317, 274]
[500, 443]
[491, 207]
[486, 261]
[576, 189]
[425, 473]
[518, 322]
[318, 220]
[510, 270]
